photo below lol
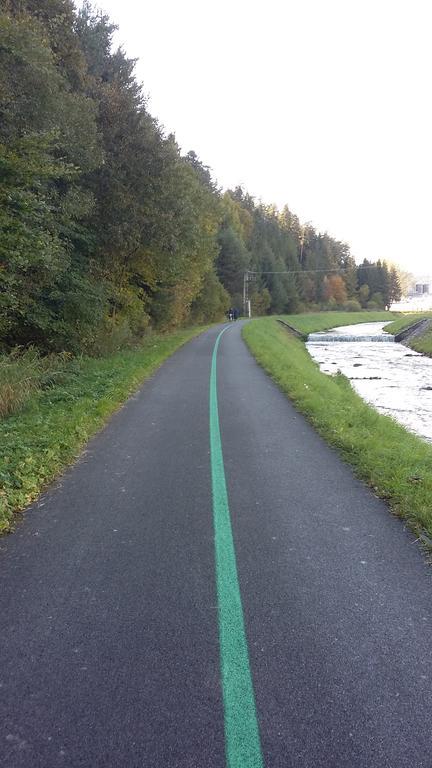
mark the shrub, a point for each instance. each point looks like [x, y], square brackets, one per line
[111, 337]
[378, 299]
[352, 305]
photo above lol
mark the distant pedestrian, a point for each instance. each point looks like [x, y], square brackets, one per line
[236, 313]
[230, 314]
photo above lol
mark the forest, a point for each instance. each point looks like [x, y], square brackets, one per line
[108, 230]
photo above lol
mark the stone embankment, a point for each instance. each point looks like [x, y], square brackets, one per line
[417, 329]
[298, 334]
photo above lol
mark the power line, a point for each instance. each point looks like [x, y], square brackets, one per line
[309, 271]
[247, 279]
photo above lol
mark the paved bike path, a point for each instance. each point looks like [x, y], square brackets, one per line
[336, 594]
[109, 649]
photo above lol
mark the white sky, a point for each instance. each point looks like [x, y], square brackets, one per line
[321, 104]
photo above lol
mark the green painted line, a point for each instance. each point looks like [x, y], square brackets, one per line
[242, 741]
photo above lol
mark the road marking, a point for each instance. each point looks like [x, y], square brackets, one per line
[242, 741]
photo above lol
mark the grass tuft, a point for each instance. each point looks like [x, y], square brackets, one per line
[24, 372]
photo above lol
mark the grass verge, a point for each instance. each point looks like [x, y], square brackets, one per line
[404, 321]
[49, 432]
[395, 463]
[422, 343]
[322, 321]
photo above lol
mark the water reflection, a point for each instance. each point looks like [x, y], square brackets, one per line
[394, 379]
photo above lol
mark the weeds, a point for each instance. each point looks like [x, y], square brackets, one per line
[24, 372]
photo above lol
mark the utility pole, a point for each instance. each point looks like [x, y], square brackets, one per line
[302, 239]
[246, 300]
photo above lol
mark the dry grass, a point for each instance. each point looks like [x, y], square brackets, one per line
[19, 378]
[25, 371]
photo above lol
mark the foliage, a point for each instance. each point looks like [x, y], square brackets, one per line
[379, 283]
[107, 230]
[105, 227]
[211, 302]
[352, 305]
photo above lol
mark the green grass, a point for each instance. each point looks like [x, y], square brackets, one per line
[54, 423]
[396, 464]
[322, 321]
[421, 343]
[406, 320]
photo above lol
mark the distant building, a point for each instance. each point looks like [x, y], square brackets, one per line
[420, 286]
[418, 297]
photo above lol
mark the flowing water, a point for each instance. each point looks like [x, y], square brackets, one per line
[358, 333]
[393, 378]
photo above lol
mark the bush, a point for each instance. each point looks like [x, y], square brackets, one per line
[352, 305]
[301, 308]
[378, 300]
[329, 306]
[111, 337]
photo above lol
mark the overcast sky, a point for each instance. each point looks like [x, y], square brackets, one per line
[321, 104]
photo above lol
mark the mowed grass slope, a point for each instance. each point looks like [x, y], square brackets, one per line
[55, 422]
[396, 464]
[422, 343]
[404, 321]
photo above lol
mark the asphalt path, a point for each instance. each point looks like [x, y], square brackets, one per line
[110, 614]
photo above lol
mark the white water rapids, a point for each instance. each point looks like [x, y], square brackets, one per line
[393, 378]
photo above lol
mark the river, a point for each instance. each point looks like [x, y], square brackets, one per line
[396, 380]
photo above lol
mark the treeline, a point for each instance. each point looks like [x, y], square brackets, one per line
[106, 229]
[294, 268]
[379, 284]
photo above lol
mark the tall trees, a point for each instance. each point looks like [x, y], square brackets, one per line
[379, 283]
[157, 213]
[48, 140]
[395, 289]
[104, 222]
[105, 227]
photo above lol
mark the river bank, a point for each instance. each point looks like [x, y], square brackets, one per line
[396, 464]
[418, 331]
[395, 381]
